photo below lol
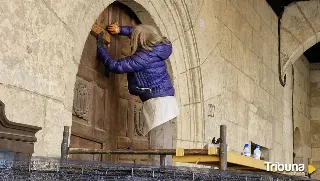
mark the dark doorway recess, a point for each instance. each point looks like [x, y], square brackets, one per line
[313, 53]
[279, 5]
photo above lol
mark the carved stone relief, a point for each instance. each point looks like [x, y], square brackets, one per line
[82, 99]
[138, 123]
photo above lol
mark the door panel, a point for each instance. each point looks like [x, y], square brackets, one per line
[106, 115]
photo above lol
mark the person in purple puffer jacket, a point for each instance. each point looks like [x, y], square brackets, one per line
[148, 78]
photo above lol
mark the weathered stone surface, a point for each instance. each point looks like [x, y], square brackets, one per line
[56, 118]
[224, 53]
[315, 154]
[42, 49]
[279, 154]
[22, 106]
[311, 11]
[203, 28]
[289, 44]
[212, 70]
[296, 23]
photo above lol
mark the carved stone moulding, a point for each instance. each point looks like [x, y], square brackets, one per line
[16, 137]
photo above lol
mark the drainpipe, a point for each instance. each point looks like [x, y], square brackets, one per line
[282, 82]
[292, 108]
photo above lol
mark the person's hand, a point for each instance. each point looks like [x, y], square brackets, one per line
[100, 40]
[114, 29]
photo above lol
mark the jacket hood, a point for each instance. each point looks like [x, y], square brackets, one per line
[162, 50]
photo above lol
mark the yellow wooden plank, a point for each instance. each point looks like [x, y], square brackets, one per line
[245, 161]
[212, 151]
[179, 152]
[195, 158]
[233, 158]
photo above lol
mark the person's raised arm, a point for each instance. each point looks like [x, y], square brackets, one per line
[134, 63]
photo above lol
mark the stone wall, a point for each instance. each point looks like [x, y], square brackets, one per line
[301, 109]
[241, 87]
[224, 67]
[300, 29]
[315, 116]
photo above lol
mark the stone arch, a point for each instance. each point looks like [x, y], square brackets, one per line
[300, 30]
[174, 22]
[297, 146]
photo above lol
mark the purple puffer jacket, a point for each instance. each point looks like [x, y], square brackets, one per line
[146, 70]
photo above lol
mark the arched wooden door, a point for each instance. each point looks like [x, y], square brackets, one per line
[105, 115]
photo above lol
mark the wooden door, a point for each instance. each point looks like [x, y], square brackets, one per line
[105, 114]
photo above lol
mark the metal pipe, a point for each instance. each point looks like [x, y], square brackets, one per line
[64, 144]
[162, 161]
[139, 152]
[223, 147]
[282, 82]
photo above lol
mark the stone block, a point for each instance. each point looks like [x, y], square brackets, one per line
[230, 107]
[275, 63]
[287, 143]
[289, 43]
[310, 10]
[186, 122]
[35, 62]
[315, 133]
[266, 78]
[56, 118]
[229, 17]
[287, 108]
[296, 23]
[23, 106]
[237, 53]
[287, 157]
[265, 11]
[244, 31]
[183, 85]
[257, 133]
[315, 113]
[287, 125]
[261, 98]
[314, 76]
[257, 43]
[278, 132]
[225, 47]
[248, 12]
[246, 87]
[207, 30]
[242, 110]
[242, 138]
[230, 78]
[278, 153]
[267, 55]
[213, 72]
[315, 152]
